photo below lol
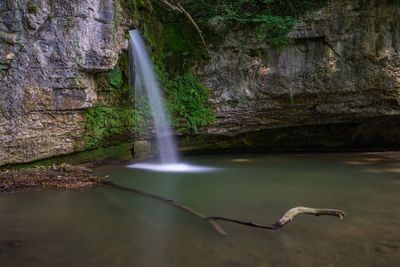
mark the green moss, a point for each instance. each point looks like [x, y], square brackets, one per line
[175, 47]
[115, 84]
[32, 8]
[110, 81]
[114, 78]
[113, 120]
[270, 19]
[109, 125]
[187, 101]
[119, 152]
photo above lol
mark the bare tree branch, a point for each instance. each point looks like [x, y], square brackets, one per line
[212, 220]
[170, 202]
[286, 218]
[193, 22]
[171, 6]
[179, 8]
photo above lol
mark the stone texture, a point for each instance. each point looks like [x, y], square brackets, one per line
[40, 135]
[49, 52]
[338, 82]
[343, 66]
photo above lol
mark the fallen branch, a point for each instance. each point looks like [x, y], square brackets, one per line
[286, 218]
[171, 202]
[212, 220]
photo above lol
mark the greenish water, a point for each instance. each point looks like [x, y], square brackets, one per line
[105, 227]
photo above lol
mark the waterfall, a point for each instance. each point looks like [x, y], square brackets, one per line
[143, 79]
[145, 82]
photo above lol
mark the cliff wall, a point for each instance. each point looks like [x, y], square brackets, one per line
[336, 85]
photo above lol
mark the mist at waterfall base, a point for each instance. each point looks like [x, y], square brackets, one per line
[143, 79]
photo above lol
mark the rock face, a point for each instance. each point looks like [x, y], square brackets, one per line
[336, 85]
[342, 67]
[49, 51]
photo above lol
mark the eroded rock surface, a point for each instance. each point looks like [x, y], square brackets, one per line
[49, 51]
[339, 77]
[343, 64]
[337, 85]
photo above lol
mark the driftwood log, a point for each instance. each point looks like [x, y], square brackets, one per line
[212, 220]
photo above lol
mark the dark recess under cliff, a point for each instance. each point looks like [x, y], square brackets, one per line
[377, 134]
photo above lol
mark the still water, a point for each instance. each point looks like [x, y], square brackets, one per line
[105, 227]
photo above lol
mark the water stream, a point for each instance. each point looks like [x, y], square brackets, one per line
[146, 81]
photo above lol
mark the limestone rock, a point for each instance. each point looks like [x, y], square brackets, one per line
[49, 50]
[343, 65]
[340, 75]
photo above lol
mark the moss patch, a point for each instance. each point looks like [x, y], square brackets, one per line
[271, 20]
[176, 48]
[113, 120]
[119, 152]
[109, 125]
[187, 102]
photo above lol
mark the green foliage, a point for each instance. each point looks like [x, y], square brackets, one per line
[115, 84]
[118, 152]
[176, 47]
[114, 120]
[114, 78]
[273, 18]
[108, 125]
[187, 102]
[111, 80]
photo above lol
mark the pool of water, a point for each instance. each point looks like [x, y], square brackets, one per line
[105, 227]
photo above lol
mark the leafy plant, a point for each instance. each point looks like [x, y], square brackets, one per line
[274, 18]
[188, 102]
[175, 48]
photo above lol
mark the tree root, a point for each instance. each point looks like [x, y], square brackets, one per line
[212, 220]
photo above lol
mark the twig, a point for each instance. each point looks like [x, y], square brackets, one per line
[179, 8]
[171, 6]
[105, 177]
[212, 220]
[193, 22]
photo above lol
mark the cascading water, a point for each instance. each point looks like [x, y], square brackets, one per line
[143, 79]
